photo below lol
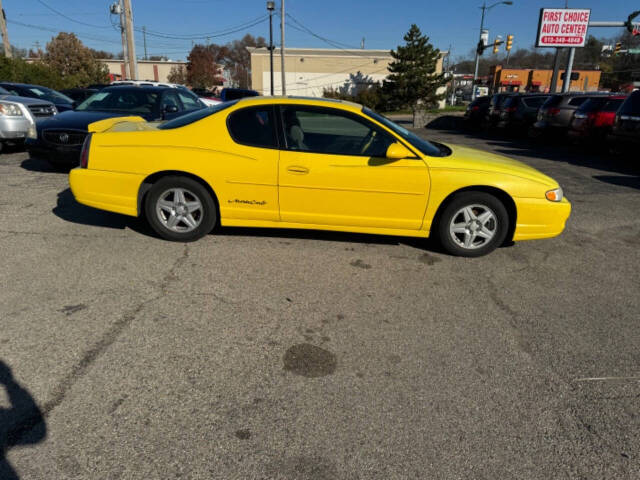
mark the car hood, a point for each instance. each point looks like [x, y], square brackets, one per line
[472, 159]
[73, 119]
[24, 100]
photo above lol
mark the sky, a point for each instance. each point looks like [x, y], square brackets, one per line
[451, 24]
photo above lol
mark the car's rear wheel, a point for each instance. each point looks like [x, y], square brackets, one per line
[473, 224]
[180, 209]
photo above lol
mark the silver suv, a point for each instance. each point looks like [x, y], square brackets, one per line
[18, 117]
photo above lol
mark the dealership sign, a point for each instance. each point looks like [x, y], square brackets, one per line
[563, 27]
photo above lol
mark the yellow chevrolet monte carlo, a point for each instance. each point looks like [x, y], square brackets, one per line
[316, 164]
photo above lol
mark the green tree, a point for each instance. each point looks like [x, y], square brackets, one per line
[413, 82]
[73, 61]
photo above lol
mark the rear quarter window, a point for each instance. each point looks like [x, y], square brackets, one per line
[253, 126]
[631, 106]
[535, 102]
[552, 101]
[576, 102]
[612, 105]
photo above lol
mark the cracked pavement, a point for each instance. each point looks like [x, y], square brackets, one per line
[279, 354]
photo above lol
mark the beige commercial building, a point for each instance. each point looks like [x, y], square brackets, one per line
[309, 71]
[156, 71]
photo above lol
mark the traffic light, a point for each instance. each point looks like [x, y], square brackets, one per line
[617, 49]
[509, 43]
[496, 44]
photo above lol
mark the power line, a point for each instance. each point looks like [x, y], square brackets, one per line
[55, 30]
[333, 43]
[221, 32]
[69, 18]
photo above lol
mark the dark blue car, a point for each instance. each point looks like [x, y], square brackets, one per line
[62, 102]
[60, 138]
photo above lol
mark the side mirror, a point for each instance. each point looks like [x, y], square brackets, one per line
[170, 109]
[397, 151]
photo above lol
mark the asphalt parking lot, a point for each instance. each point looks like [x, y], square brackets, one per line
[308, 355]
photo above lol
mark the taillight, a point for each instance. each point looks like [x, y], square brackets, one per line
[553, 111]
[510, 109]
[475, 108]
[84, 154]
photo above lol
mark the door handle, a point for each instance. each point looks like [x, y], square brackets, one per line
[297, 170]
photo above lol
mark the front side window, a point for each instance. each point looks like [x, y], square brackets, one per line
[189, 101]
[330, 131]
[170, 99]
[253, 126]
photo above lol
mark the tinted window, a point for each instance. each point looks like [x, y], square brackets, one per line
[592, 105]
[575, 102]
[189, 101]
[612, 105]
[552, 101]
[325, 130]
[421, 144]
[192, 117]
[510, 101]
[535, 102]
[253, 126]
[170, 99]
[631, 105]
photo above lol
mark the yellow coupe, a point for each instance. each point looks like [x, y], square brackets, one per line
[315, 164]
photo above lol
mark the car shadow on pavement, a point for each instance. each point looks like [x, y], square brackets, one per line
[39, 165]
[21, 424]
[68, 209]
[621, 181]
[425, 244]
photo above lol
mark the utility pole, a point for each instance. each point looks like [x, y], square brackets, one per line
[131, 48]
[144, 39]
[284, 86]
[566, 84]
[271, 7]
[116, 9]
[5, 34]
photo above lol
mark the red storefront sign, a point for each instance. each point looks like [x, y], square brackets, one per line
[563, 27]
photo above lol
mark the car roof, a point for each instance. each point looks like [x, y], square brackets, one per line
[16, 84]
[136, 88]
[295, 100]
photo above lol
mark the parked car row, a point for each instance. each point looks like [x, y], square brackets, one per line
[53, 125]
[610, 118]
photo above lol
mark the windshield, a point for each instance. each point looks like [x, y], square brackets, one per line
[121, 100]
[4, 91]
[194, 116]
[424, 146]
[49, 95]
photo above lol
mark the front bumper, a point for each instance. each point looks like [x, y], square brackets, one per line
[14, 128]
[112, 191]
[61, 155]
[540, 218]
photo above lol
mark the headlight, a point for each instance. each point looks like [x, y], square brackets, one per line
[10, 109]
[554, 195]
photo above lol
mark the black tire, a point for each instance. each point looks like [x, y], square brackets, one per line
[157, 217]
[498, 224]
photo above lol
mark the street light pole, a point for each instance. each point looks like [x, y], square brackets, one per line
[271, 7]
[475, 72]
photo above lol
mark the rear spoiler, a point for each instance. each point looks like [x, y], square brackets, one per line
[108, 123]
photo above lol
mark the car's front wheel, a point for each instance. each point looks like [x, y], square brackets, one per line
[473, 224]
[180, 209]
